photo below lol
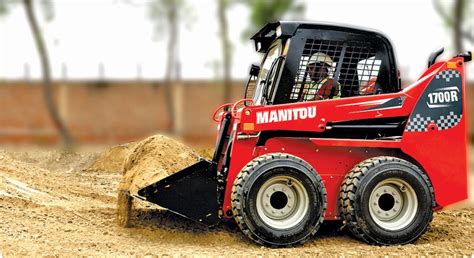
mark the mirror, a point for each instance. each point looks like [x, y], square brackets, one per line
[434, 56]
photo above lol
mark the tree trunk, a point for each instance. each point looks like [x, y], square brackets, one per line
[226, 55]
[171, 65]
[458, 20]
[66, 138]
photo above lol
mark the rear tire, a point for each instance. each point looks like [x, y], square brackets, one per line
[278, 200]
[386, 201]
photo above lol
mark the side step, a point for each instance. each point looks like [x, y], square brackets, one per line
[192, 193]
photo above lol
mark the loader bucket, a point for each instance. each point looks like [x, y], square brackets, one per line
[191, 192]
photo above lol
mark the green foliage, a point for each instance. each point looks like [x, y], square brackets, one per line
[47, 7]
[265, 11]
[158, 12]
[6, 5]
[3, 7]
[446, 11]
[161, 12]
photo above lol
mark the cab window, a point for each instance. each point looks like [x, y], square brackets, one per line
[273, 53]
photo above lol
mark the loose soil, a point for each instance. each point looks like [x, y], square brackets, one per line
[144, 163]
[154, 159]
[54, 203]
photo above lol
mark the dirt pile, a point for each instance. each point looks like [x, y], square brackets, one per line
[153, 159]
[113, 159]
[144, 163]
[206, 152]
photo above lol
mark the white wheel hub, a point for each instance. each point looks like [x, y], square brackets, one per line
[282, 202]
[393, 204]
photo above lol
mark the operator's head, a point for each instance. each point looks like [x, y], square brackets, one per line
[318, 66]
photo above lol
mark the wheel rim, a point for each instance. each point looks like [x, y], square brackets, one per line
[282, 202]
[393, 204]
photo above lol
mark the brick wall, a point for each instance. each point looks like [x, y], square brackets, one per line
[117, 111]
[108, 112]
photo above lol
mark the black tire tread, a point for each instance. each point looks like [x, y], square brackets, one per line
[238, 194]
[347, 194]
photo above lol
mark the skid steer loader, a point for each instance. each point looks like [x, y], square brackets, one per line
[325, 132]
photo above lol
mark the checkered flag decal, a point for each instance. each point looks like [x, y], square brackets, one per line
[449, 121]
[418, 124]
[447, 75]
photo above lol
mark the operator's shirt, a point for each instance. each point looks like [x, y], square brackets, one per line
[322, 89]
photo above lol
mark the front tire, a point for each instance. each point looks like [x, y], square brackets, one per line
[278, 200]
[386, 201]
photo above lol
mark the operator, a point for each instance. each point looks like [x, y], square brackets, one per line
[322, 83]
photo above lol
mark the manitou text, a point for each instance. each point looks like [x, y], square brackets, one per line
[282, 115]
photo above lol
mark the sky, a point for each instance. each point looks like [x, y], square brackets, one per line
[87, 34]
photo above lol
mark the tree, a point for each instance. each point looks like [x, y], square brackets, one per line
[51, 106]
[262, 12]
[222, 6]
[165, 14]
[454, 17]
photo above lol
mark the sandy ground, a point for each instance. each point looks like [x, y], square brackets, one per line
[51, 204]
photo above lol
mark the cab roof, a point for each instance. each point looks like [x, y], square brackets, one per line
[287, 29]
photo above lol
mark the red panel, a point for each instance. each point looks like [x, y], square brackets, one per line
[443, 155]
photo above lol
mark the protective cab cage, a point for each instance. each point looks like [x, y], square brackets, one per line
[362, 61]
